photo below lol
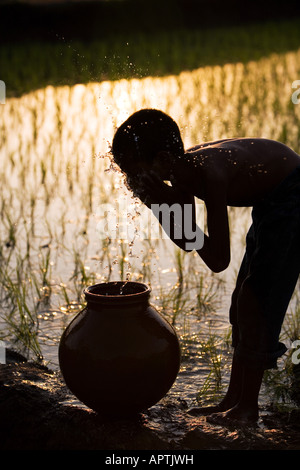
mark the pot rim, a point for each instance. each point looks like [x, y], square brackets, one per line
[144, 291]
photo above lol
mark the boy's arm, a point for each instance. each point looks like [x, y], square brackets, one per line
[216, 248]
[174, 208]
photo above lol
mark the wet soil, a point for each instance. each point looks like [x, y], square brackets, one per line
[37, 412]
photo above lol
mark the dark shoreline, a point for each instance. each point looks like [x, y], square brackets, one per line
[90, 20]
[27, 65]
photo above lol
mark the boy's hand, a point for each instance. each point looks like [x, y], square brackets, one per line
[155, 190]
[158, 192]
[149, 188]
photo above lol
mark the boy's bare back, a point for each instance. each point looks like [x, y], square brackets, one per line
[243, 170]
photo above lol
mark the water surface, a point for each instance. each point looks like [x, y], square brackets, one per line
[56, 174]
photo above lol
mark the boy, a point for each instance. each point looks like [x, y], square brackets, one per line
[231, 172]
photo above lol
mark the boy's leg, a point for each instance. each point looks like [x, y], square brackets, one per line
[232, 396]
[265, 284]
[234, 390]
[246, 380]
[241, 400]
[242, 275]
[237, 371]
[262, 301]
[247, 407]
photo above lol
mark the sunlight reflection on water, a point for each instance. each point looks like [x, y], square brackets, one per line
[54, 150]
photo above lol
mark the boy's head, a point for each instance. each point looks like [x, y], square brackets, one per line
[145, 139]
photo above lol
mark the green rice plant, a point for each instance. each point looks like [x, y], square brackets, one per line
[45, 266]
[215, 357]
[20, 312]
[65, 294]
[179, 301]
[277, 384]
[213, 353]
[105, 258]
[11, 229]
[207, 294]
[24, 329]
[123, 259]
[82, 276]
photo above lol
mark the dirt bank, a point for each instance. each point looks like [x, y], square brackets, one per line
[37, 412]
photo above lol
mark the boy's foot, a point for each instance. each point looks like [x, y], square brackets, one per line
[235, 415]
[204, 410]
[224, 405]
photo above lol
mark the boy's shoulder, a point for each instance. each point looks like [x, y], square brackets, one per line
[241, 151]
[243, 168]
[237, 143]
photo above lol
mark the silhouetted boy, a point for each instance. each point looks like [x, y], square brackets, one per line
[260, 173]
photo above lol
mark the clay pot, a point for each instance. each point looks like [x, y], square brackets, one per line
[119, 356]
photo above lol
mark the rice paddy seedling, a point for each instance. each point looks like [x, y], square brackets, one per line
[82, 276]
[20, 310]
[278, 385]
[213, 350]
[281, 382]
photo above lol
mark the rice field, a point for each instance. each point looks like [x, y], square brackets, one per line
[56, 174]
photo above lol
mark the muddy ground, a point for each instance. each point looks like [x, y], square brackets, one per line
[37, 412]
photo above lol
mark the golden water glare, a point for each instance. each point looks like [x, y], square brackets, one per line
[55, 164]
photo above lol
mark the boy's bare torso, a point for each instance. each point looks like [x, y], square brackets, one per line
[245, 170]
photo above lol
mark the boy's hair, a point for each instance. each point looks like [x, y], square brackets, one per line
[143, 135]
